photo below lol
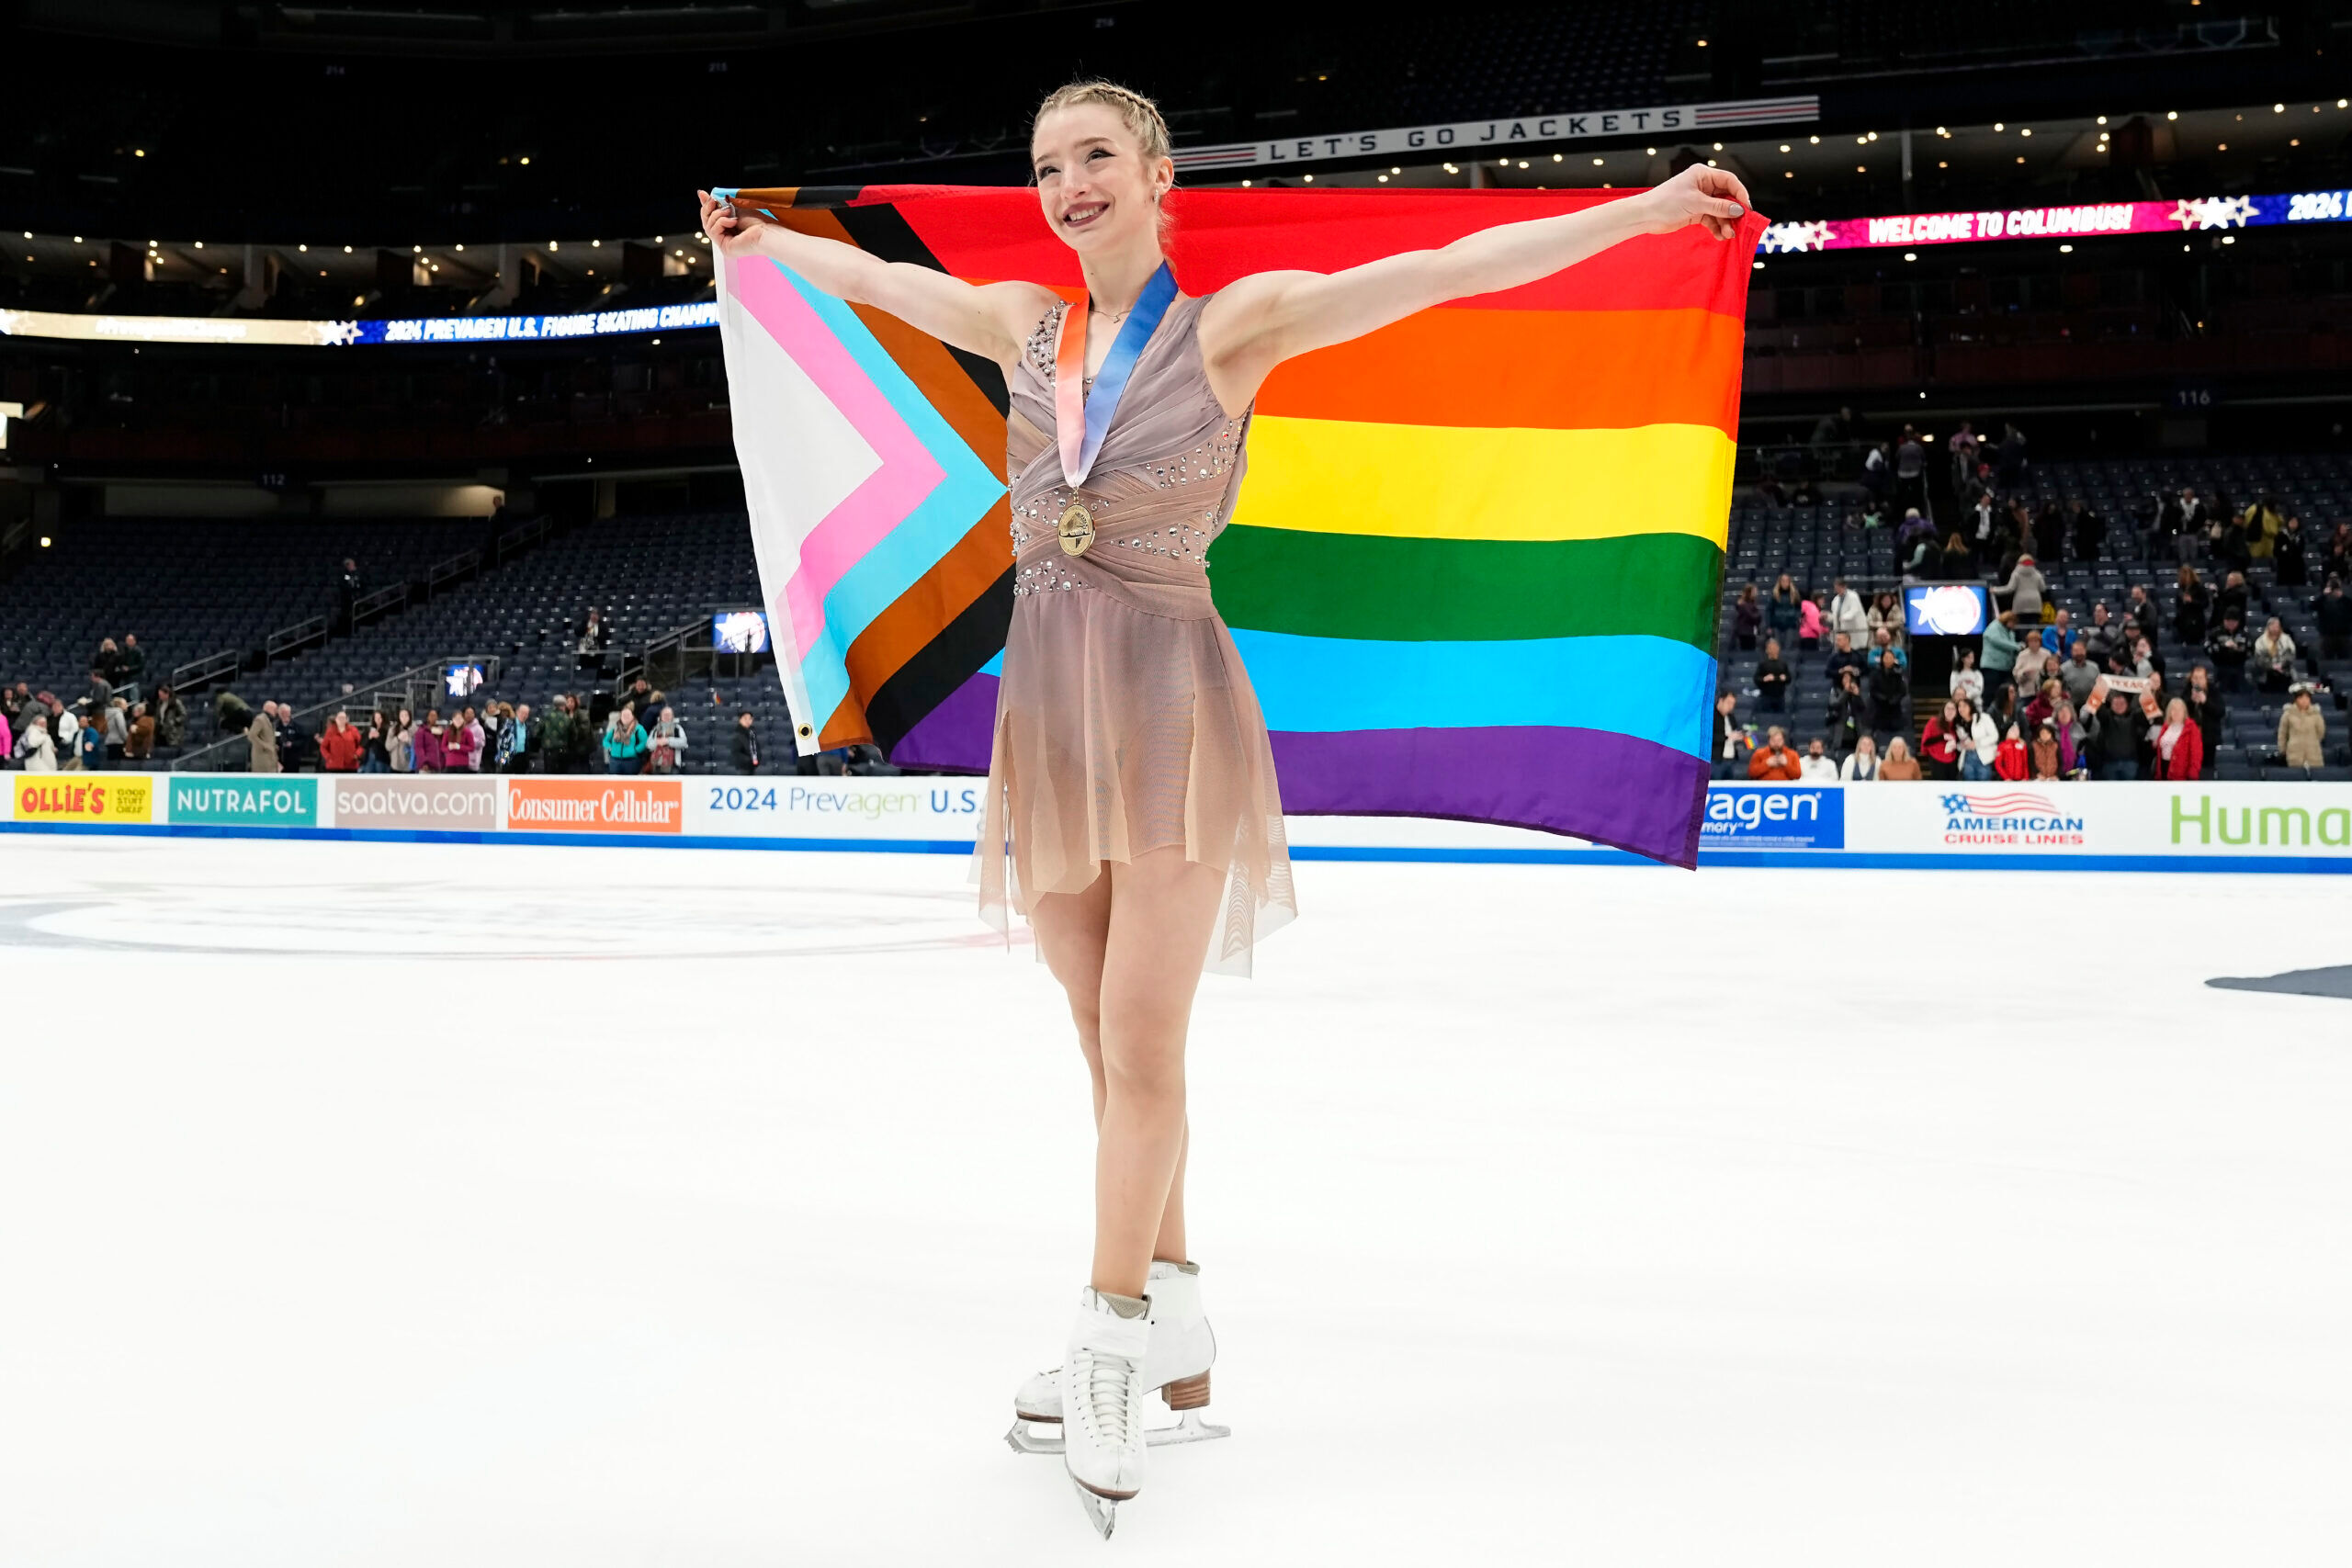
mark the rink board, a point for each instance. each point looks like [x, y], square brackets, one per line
[2296, 827]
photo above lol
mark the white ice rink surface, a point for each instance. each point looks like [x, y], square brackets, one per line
[383, 1204]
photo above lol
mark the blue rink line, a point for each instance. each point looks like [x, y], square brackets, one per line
[2300, 865]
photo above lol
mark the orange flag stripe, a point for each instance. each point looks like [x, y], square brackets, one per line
[1501, 369]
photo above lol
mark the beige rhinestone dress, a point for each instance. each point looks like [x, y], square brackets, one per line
[1124, 720]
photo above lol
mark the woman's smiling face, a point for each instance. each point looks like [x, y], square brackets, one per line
[1093, 184]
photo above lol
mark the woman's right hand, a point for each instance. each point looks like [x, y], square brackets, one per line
[728, 231]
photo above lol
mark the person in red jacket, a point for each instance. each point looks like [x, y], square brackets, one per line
[1774, 761]
[2009, 759]
[2180, 745]
[340, 745]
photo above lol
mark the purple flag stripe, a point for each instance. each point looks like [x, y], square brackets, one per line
[1631, 793]
[1613, 789]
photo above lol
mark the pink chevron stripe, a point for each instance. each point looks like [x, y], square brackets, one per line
[867, 514]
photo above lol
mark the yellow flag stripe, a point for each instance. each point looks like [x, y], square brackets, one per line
[1425, 481]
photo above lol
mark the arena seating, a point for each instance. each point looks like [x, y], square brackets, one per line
[1815, 544]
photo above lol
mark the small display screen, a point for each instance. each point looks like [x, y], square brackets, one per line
[739, 631]
[1946, 609]
[462, 679]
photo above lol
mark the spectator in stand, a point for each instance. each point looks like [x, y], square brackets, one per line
[2289, 562]
[592, 637]
[1966, 679]
[2045, 702]
[2070, 739]
[1965, 449]
[1958, 563]
[36, 746]
[2021, 594]
[2098, 637]
[261, 740]
[2272, 658]
[293, 746]
[1849, 713]
[99, 692]
[2048, 533]
[1747, 618]
[399, 743]
[1730, 736]
[69, 738]
[560, 735]
[2078, 674]
[1773, 760]
[2335, 613]
[1862, 766]
[1910, 470]
[2143, 659]
[1890, 697]
[1842, 658]
[2337, 563]
[2011, 462]
[1901, 766]
[1847, 614]
[1919, 558]
[746, 759]
[519, 739]
[340, 745]
[1817, 766]
[472, 739]
[1939, 745]
[2117, 733]
[2226, 537]
[2262, 523]
[430, 744]
[1885, 615]
[666, 743]
[2087, 529]
[2035, 665]
[2176, 742]
[2059, 635]
[347, 590]
[7, 738]
[2302, 732]
[1882, 642]
[1772, 677]
[141, 747]
[375, 746]
[2009, 760]
[2190, 600]
[1785, 611]
[624, 743]
[1975, 738]
[106, 665]
[642, 696]
[171, 718]
[2046, 758]
[1809, 622]
[2206, 711]
[2233, 595]
[117, 731]
[1878, 472]
[1998, 661]
[132, 665]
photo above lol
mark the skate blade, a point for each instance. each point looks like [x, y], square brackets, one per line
[1025, 1438]
[1102, 1513]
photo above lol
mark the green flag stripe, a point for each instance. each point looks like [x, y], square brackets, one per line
[1402, 589]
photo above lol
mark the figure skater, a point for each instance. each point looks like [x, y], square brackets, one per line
[1132, 813]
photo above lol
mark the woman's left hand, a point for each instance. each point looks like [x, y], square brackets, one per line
[1714, 198]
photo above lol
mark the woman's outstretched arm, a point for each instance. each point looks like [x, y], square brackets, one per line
[1268, 317]
[992, 319]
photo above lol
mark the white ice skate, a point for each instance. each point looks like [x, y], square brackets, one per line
[1176, 1363]
[1101, 1396]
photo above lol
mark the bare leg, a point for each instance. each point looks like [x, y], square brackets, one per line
[1073, 930]
[1162, 907]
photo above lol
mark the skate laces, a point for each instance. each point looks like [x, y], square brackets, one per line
[1104, 1382]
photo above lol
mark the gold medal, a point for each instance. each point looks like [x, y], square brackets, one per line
[1076, 529]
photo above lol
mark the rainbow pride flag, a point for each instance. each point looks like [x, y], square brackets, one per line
[1474, 568]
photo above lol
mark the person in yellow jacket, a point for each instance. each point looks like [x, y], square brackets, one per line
[2262, 523]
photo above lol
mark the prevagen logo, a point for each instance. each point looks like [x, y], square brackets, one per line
[2007, 820]
[1774, 816]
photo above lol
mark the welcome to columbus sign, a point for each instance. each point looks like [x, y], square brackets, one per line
[1475, 137]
